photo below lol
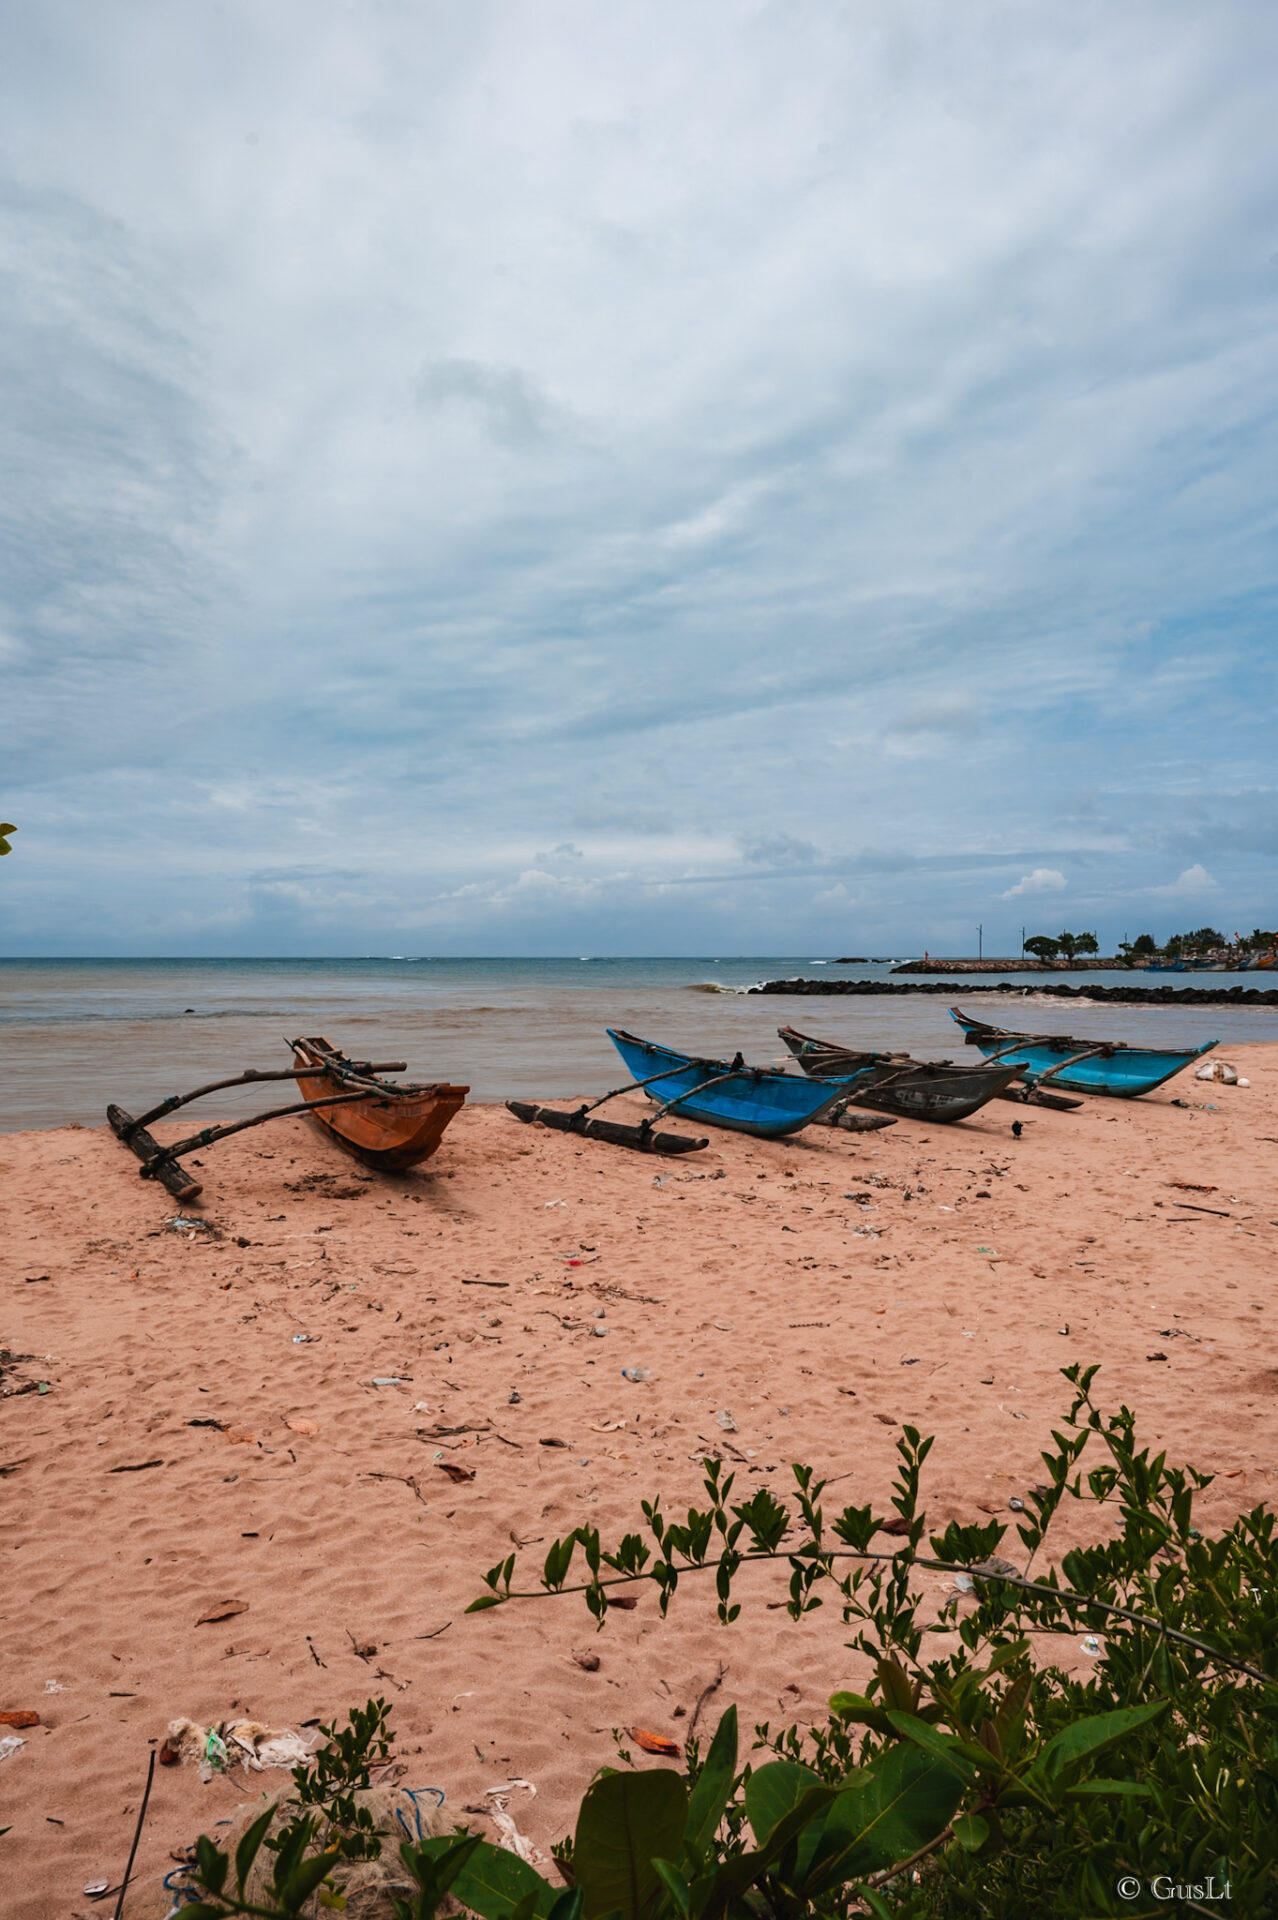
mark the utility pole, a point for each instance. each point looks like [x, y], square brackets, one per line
[980, 935]
[1022, 943]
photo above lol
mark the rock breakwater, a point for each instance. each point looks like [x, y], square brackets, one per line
[1121, 996]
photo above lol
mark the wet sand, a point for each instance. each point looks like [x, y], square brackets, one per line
[795, 1283]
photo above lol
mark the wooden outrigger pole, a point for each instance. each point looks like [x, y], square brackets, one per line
[161, 1163]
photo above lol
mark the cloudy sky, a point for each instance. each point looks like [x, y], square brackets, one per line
[557, 477]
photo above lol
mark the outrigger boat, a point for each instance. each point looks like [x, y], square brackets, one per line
[393, 1127]
[724, 1093]
[1085, 1066]
[896, 1083]
[727, 1093]
[386, 1125]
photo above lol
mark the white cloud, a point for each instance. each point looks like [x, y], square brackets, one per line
[1193, 880]
[725, 433]
[1042, 880]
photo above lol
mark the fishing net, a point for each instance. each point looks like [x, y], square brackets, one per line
[369, 1886]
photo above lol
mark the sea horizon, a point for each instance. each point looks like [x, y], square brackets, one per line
[81, 1031]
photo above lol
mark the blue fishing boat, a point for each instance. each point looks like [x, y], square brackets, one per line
[727, 1093]
[1084, 1066]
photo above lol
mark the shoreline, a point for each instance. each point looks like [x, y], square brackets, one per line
[192, 1450]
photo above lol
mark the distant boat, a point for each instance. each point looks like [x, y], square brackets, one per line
[726, 1093]
[397, 1127]
[894, 1083]
[1084, 1066]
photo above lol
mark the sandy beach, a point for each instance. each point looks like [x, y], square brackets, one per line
[214, 1441]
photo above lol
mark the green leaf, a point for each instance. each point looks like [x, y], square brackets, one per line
[304, 1879]
[856, 1706]
[899, 1690]
[558, 1561]
[626, 1821]
[247, 1851]
[492, 1882]
[485, 1601]
[675, 1884]
[964, 1757]
[894, 1809]
[1005, 1656]
[741, 1872]
[775, 1791]
[1083, 1738]
[765, 1518]
[971, 1831]
[1010, 1717]
[290, 1848]
[6, 827]
[211, 1864]
[709, 1798]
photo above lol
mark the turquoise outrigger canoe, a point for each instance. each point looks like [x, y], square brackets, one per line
[1084, 1066]
[727, 1093]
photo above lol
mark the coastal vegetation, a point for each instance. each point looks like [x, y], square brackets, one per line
[984, 1778]
[1062, 946]
[1200, 944]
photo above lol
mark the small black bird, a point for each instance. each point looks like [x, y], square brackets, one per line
[1016, 1129]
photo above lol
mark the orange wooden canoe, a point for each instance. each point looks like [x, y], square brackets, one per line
[397, 1127]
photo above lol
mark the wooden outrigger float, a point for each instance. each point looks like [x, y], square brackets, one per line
[643, 1138]
[386, 1125]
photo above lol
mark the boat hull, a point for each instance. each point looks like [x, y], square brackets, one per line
[914, 1089]
[398, 1126]
[758, 1100]
[1117, 1070]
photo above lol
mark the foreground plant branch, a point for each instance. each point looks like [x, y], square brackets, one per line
[1046, 1589]
[685, 1549]
[979, 1782]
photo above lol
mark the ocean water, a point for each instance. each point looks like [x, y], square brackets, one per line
[75, 1034]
